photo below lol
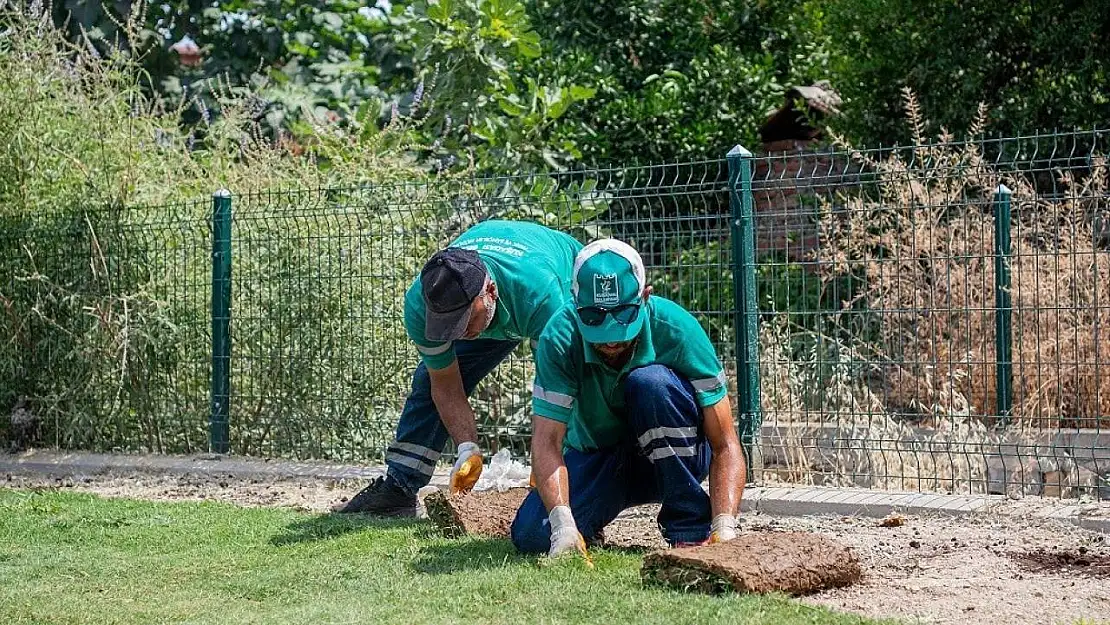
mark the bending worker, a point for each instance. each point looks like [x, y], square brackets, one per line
[630, 407]
[474, 302]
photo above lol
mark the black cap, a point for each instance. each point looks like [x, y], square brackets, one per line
[450, 281]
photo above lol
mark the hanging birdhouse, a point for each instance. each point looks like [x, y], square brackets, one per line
[799, 120]
[187, 51]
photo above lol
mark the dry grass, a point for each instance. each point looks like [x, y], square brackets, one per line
[897, 388]
[925, 248]
[869, 446]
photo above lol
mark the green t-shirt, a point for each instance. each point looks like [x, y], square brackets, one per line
[530, 264]
[573, 386]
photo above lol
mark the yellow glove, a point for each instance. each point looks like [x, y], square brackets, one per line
[467, 469]
[723, 529]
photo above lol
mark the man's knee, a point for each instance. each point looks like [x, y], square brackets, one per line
[654, 387]
[528, 532]
[649, 380]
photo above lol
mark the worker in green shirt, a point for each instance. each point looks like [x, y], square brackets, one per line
[630, 407]
[495, 285]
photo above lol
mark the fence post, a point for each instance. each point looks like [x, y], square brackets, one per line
[1003, 307]
[219, 418]
[746, 306]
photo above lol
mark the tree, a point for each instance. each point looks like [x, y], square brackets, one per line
[1036, 66]
[678, 79]
[293, 56]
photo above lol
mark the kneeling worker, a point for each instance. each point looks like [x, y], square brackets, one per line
[631, 407]
[475, 301]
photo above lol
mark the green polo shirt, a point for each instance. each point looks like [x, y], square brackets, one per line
[573, 386]
[530, 264]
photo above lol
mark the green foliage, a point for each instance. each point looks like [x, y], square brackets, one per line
[677, 79]
[490, 108]
[297, 60]
[103, 284]
[514, 85]
[1035, 65]
[300, 59]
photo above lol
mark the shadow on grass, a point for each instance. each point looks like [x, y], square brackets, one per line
[629, 550]
[487, 553]
[329, 526]
[468, 555]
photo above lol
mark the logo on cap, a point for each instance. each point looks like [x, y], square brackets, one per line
[606, 292]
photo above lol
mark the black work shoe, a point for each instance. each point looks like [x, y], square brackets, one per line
[380, 498]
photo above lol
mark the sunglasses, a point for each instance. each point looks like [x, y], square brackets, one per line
[595, 315]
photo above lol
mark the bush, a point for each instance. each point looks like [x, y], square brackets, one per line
[105, 276]
[1036, 65]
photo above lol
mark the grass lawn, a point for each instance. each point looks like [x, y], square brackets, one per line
[75, 558]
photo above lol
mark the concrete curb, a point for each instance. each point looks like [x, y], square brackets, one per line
[795, 501]
[63, 464]
[781, 501]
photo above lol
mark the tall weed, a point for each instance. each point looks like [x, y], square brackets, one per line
[105, 270]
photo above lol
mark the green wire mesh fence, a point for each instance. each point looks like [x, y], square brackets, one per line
[931, 316]
[909, 318]
[320, 363]
[103, 317]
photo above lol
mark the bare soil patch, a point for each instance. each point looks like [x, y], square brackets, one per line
[1082, 561]
[795, 563]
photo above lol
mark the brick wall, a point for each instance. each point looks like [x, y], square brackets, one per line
[789, 179]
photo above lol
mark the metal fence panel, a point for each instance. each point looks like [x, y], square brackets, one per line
[103, 317]
[935, 325]
[321, 364]
[927, 317]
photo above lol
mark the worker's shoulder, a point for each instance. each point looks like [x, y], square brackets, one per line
[560, 334]
[414, 296]
[671, 323]
[669, 314]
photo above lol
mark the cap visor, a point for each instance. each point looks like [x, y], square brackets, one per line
[611, 331]
[446, 326]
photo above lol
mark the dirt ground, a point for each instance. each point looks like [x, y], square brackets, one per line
[979, 570]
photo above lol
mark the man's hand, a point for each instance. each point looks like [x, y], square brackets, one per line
[723, 529]
[550, 476]
[567, 542]
[467, 469]
[565, 538]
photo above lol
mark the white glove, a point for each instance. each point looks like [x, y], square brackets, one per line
[467, 469]
[723, 528]
[565, 537]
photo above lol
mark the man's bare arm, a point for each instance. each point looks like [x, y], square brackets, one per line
[554, 487]
[547, 462]
[452, 403]
[728, 471]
